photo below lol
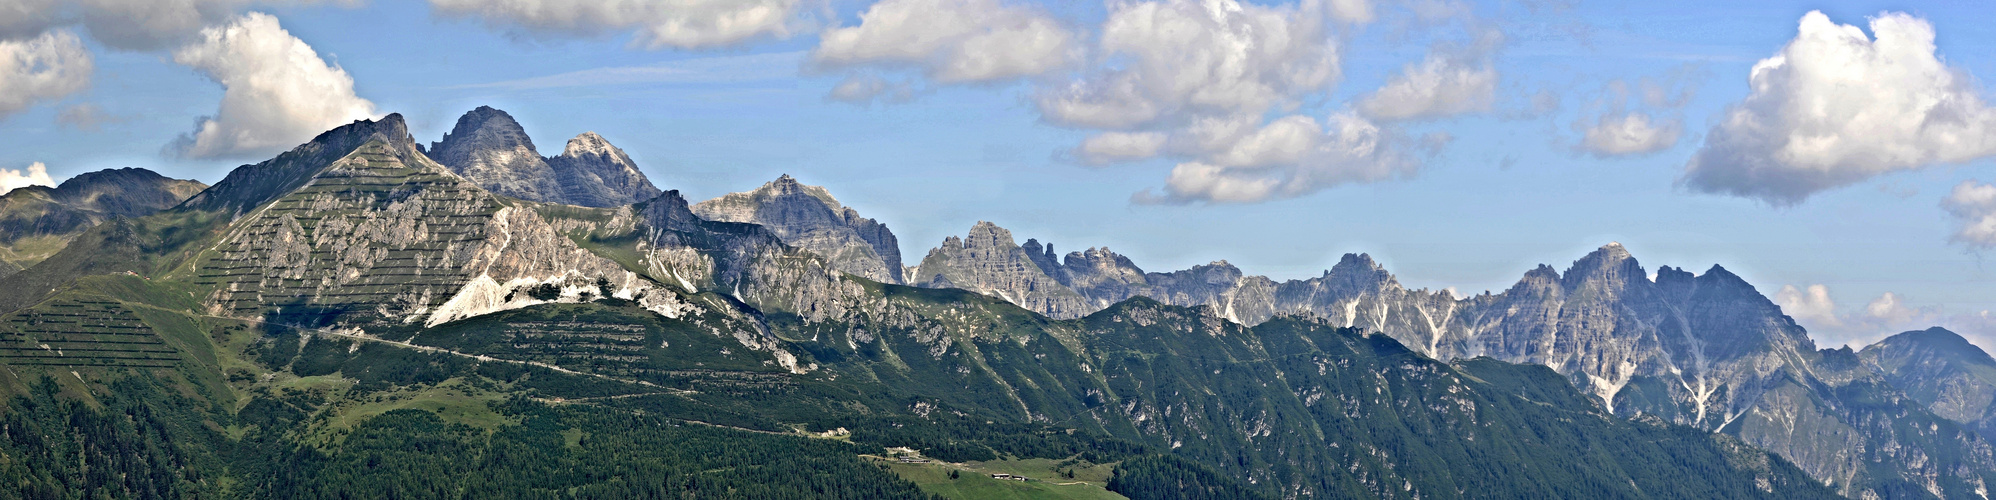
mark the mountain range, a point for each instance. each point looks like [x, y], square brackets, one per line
[37, 221]
[279, 332]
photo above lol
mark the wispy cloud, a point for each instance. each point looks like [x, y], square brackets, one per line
[724, 69]
[1830, 326]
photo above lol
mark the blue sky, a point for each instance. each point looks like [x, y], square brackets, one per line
[1480, 188]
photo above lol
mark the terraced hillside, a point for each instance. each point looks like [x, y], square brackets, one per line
[369, 236]
[82, 332]
[349, 319]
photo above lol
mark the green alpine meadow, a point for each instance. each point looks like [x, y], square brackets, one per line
[356, 319]
[997, 250]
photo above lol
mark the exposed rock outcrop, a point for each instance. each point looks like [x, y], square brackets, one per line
[988, 261]
[1706, 350]
[1942, 370]
[593, 173]
[808, 217]
[383, 235]
[490, 149]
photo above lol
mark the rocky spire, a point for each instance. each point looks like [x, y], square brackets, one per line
[491, 149]
[988, 261]
[594, 173]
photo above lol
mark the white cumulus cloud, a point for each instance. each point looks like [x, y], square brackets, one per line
[684, 24]
[1811, 306]
[1185, 59]
[43, 68]
[1216, 84]
[1352, 11]
[1836, 107]
[867, 89]
[1441, 85]
[1881, 317]
[951, 41]
[1629, 134]
[36, 174]
[1973, 204]
[1294, 156]
[277, 92]
[1113, 147]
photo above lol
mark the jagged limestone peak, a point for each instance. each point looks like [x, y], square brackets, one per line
[1361, 271]
[485, 128]
[809, 217]
[589, 143]
[988, 235]
[491, 149]
[739, 207]
[987, 261]
[1098, 257]
[1611, 266]
[594, 173]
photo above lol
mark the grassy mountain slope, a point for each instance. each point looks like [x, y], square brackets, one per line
[346, 321]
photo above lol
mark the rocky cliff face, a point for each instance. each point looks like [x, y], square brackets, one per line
[382, 235]
[37, 221]
[490, 149]
[990, 262]
[1705, 350]
[361, 229]
[808, 217]
[593, 173]
[1938, 368]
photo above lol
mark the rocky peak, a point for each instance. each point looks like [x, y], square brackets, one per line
[252, 185]
[784, 184]
[986, 235]
[589, 143]
[489, 148]
[988, 261]
[1717, 278]
[125, 192]
[389, 129]
[809, 217]
[1045, 258]
[1101, 274]
[1609, 267]
[1354, 262]
[1671, 275]
[669, 210]
[1098, 258]
[83, 201]
[594, 173]
[1543, 272]
[484, 128]
[1538, 283]
[1215, 273]
[1940, 369]
[1358, 271]
[1936, 341]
